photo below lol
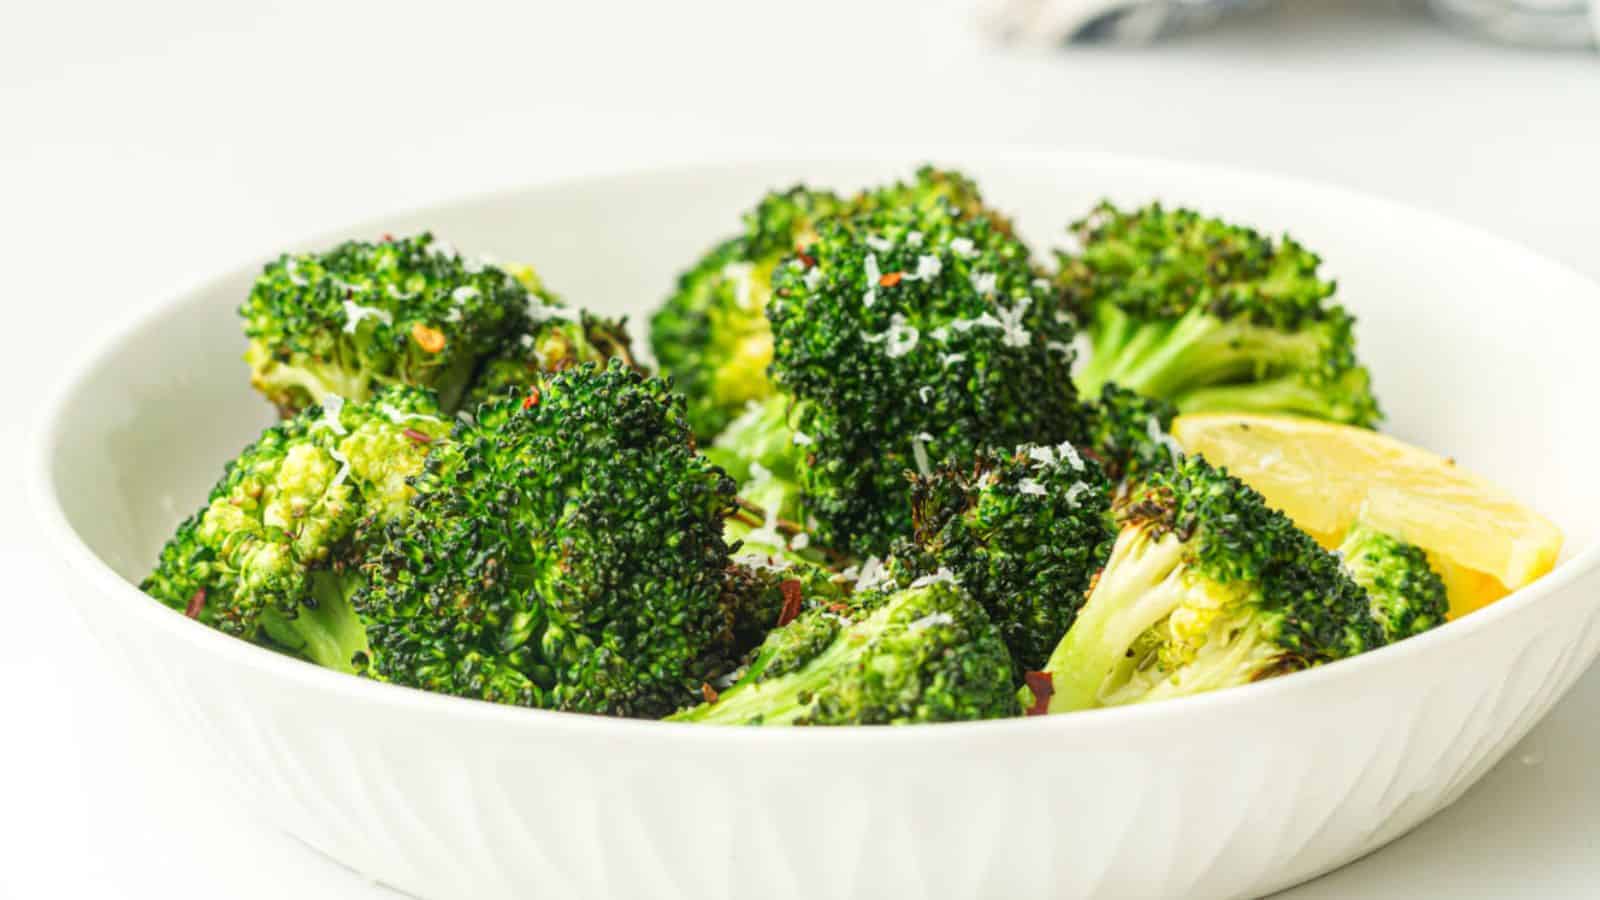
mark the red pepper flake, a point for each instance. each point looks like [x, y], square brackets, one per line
[428, 338]
[532, 400]
[708, 692]
[791, 601]
[839, 608]
[1043, 686]
[388, 238]
[417, 436]
[196, 603]
[890, 279]
[807, 259]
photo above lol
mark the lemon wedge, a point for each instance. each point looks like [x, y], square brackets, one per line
[1483, 542]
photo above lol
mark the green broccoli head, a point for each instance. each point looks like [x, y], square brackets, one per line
[1207, 587]
[1128, 433]
[906, 338]
[269, 556]
[923, 653]
[711, 336]
[566, 552]
[365, 315]
[1024, 533]
[1407, 596]
[1212, 317]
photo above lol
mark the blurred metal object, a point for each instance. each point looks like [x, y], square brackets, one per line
[1052, 22]
[1571, 24]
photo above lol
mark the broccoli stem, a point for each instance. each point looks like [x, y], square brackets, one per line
[327, 630]
[1139, 587]
[1196, 354]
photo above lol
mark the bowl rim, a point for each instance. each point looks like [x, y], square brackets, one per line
[71, 549]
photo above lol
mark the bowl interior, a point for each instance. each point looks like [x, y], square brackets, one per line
[1479, 349]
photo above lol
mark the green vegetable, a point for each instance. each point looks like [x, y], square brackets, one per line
[1407, 595]
[565, 552]
[1207, 587]
[907, 337]
[1211, 316]
[924, 653]
[270, 557]
[1024, 533]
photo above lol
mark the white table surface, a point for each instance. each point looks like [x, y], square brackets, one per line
[145, 143]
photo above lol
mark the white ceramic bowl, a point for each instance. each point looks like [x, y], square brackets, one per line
[1479, 348]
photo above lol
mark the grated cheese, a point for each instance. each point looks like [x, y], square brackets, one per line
[951, 359]
[355, 312]
[332, 409]
[914, 239]
[1011, 322]
[928, 268]
[813, 278]
[882, 245]
[963, 247]
[898, 340]
[873, 274]
[1031, 487]
[464, 293]
[984, 282]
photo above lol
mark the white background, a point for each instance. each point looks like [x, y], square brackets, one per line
[142, 144]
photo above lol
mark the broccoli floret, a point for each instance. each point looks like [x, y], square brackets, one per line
[1207, 587]
[925, 653]
[1211, 316]
[712, 335]
[269, 558]
[1128, 433]
[364, 315]
[1407, 595]
[1023, 532]
[905, 338]
[566, 552]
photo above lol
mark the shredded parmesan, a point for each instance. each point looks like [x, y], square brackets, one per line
[873, 274]
[925, 393]
[963, 247]
[397, 417]
[984, 282]
[464, 293]
[800, 541]
[951, 359]
[355, 312]
[900, 339]
[941, 575]
[291, 268]
[1061, 347]
[869, 575]
[882, 245]
[344, 466]
[332, 408]
[1031, 487]
[1076, 492]
[1011, 322]
[928, 268]
[801, 438]
[1069, 455]
[914, 239]
[813, 278]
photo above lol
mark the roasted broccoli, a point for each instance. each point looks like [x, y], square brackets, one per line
[271, 556]
[906, 337]
[1407, 596]
[761, 592]
[923, 653]
[712, 335]
[1023, 532]
[565, 552]
[1211, 316]
[1127, 433]
[1207, 587]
